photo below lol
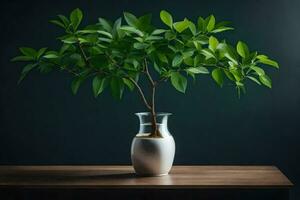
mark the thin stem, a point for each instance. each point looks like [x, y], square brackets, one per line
[153, 114]
[68, 70]
[63, 68]
[134, 82]
[140, 92]
[155, 132]
[86, 60]
[160, 80]
[83, 54]
[148, 73]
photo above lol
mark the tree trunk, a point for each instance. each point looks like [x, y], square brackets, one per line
[155, 132]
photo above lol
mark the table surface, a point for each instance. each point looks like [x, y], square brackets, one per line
[115, 176]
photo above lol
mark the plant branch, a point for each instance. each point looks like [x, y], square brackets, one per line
[155, 132]
[140, 92]
[161, 80]
[68, 70]
[86, 60]
[63, 68]
[134, 82]
[148, 73]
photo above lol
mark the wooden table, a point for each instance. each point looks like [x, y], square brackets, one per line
[119, 182]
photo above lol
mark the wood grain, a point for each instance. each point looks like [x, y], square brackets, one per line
[124, 177]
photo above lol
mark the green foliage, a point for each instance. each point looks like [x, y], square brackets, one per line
[178, 81]
[166, 18]
[182, 25]
[242, 49]
[99, 84]
[210, 23]
[213, 43]
[75, 18]
[115, 54]
[217, 75]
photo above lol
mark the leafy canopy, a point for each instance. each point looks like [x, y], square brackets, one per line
[116, 54]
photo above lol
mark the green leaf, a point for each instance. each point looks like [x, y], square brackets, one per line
[157, 68]
[158, 31]
[41, 52]
[144, 22]
[99, 84]
[182, 25]
[218, 76]
[58, 23]
[177, 60]
[262, 57]
[132, 30]
[51, 56]
[73, 59]
[213, 43]
[229, 75]
[95, 51]
[187, 54]
[254, 79]
[131, 19]
[208, 53]
[211, 23]
[64, 48]
[138, 45]
[65, 20]
[105, 24]
[258, 70]
[105, 40]
[178, 81]
[188, 61]
[45, 67]
[242, 49]
[22, 58]
[162, 57]
[201, 24]
[198, 59]
[76, 84]
[198, 70]
[197, 45]
[76, 18]
[129, 84]
[240, 86]
[87, 31]
[105, 33]
[117, 87]
[265, 60]
[228, 52]
[264, 79]
[30, 52]
[221, 29]
[236, 72]
[193, 28]
[26, 70]
[116, 28]
[170, 35]
[202, 39]
[69, 40]
[153, 38]
[166, 18]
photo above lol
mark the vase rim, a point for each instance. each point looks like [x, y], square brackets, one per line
[148, 113]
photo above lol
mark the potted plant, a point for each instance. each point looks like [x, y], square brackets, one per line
[116, 55]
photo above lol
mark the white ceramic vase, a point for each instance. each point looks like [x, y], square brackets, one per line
[153, 156]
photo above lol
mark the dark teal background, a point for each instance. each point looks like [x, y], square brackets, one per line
[41, 122]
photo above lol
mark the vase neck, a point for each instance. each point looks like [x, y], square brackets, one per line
[146, 128]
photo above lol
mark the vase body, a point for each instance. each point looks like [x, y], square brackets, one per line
[152, 156]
